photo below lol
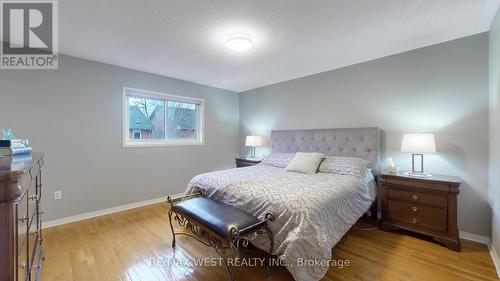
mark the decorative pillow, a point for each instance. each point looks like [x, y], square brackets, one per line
[279, 160]
[344, 165]
[304, 162]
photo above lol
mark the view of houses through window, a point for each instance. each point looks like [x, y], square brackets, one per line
[157, 118]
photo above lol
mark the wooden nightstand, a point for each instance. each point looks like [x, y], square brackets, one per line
[424, 205]
[245, 162]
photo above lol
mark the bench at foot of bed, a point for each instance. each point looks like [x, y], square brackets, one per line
[216, 225]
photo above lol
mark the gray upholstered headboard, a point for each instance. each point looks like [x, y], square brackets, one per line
[353, 142]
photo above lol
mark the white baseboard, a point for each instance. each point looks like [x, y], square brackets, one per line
[494, 257]
[98, 213]
[474, 237]
[484, 240]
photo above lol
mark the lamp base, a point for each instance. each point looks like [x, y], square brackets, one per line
[418, 175]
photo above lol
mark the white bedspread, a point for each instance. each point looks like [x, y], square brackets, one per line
[312, 212]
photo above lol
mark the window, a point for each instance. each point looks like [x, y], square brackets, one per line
[156, 119]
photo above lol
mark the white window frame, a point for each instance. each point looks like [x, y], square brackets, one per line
[127, 142]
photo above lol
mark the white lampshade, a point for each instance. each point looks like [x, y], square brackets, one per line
[418, 143]
[253, 141]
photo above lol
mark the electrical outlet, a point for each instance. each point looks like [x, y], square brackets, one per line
[58, 195]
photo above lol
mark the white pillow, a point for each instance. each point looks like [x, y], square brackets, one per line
[279, 160]
[344, 165]
[304, 162]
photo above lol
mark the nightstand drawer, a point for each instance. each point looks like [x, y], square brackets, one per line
[416, 183]
[418, 197]
[246, 162]
[241, 164]
[424, 205]
[418, 215]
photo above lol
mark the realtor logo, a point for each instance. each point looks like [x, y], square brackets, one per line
[29, 35]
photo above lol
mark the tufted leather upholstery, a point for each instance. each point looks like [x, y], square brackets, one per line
[351, 142]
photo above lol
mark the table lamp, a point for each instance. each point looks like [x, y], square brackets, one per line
[418, 144]
[253, 141]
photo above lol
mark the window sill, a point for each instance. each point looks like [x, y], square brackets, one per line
[159, 144]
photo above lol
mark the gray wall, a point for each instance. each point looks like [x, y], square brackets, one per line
[495, 129]
[441, 89]
[74, 115]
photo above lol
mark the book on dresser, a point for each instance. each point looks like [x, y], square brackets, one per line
[14, 147]
[10, 151]
[14, 143]
[21, 243]
[15, 162]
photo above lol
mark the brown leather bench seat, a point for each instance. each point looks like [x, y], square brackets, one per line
[217, 225]
[216, 216]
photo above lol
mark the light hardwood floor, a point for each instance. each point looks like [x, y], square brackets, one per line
[121, 246]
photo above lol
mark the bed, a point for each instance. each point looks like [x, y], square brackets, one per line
[313, 212]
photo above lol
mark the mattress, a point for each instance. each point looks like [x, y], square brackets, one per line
[313, 212]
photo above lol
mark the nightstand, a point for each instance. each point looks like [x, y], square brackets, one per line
[423, 205]
[245, 162]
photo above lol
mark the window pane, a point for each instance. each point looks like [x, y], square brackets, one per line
[182, 120]
[146, 119]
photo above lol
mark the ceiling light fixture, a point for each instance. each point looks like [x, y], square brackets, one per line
[239, 44]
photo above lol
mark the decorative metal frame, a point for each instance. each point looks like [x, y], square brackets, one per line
[214, 240]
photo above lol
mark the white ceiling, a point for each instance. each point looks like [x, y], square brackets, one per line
[293, 38]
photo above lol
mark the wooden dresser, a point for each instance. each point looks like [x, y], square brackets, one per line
[245, 162]
[21, 251]
[424, 205]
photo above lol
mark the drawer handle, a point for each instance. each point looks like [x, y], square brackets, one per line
[414, 220]
[23, 265]
[415, 197]
[24, 219]
[414, 208]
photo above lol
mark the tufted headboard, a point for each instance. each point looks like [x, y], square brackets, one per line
[353, 142]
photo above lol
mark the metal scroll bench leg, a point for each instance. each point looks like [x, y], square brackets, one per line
[238, 228]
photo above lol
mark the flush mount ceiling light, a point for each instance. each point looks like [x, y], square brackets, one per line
[239, 44]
